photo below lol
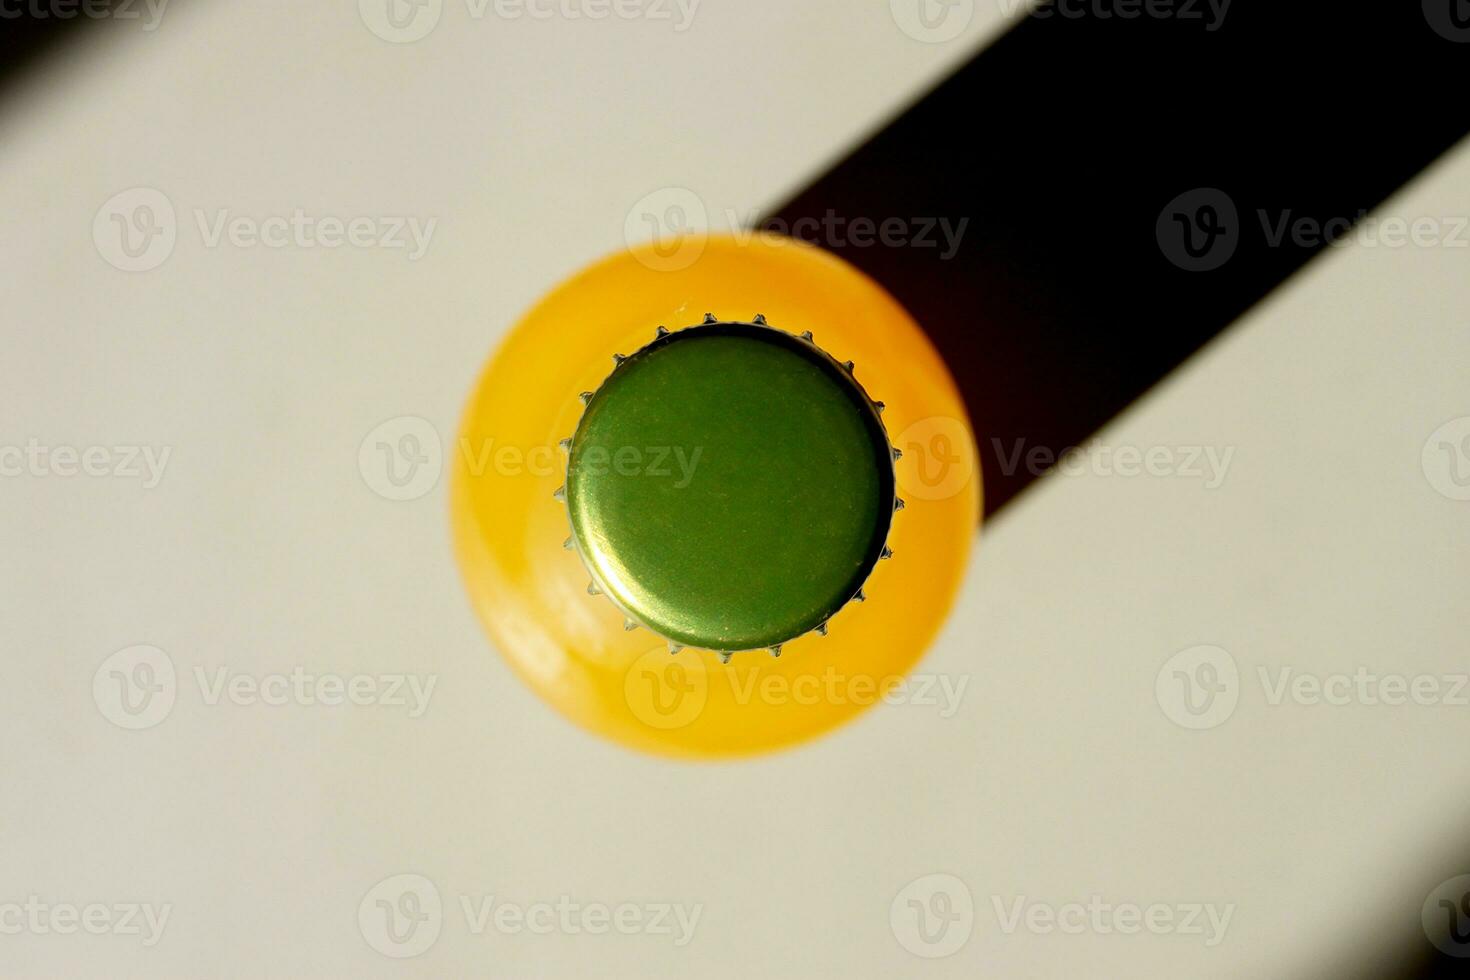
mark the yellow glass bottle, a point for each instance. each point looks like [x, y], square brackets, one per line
[532, 593]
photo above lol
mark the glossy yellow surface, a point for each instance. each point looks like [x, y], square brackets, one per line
[531, 593]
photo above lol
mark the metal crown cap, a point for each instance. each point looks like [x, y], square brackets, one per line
[730, 487]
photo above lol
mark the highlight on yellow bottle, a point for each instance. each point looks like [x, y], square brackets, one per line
[531, 593]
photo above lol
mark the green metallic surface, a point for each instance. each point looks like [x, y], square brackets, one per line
[730, 487]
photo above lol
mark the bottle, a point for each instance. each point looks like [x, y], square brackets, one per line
[735, 500]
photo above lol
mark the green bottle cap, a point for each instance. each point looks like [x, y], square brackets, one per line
[730, 487]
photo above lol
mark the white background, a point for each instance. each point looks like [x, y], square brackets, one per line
[263, 549]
